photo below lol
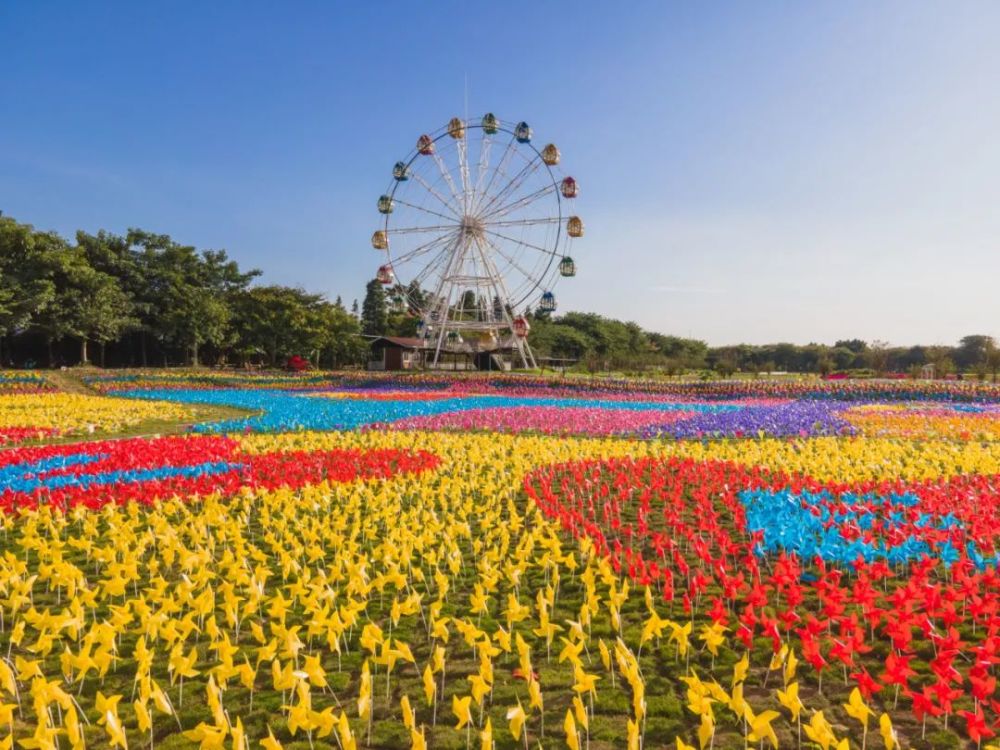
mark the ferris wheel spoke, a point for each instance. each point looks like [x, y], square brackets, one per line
[446, 252]
[520, 202]
[522, 222]
[513, 184]
[522, 243]
[463, 170]
[421, 250]
[417, 230]
[514, 264]
[430, 268]
[441, 199]
[425, 210]
[484, 164]
[500, 167]
[447, 178]
[496, 278]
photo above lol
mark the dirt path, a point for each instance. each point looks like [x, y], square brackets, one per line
[68, 381]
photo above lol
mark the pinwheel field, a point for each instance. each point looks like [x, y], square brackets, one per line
[349, 561]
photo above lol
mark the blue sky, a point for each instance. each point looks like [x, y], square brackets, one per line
[749, 171]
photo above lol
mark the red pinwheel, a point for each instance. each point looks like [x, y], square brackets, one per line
[897, 670]
[976, 726]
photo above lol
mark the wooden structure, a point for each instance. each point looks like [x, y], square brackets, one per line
[402, 353]
[395, 353]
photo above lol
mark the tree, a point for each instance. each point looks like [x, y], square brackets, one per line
[855, 345]
[940, 357]
[824, 364]
[786, 356]
[190, 314]
[401, 324]
[374, 311]
[25, 289]
[843, 357]
[278, 321]
[559, 341]
[726, 364]
[104, 311]
[87, 305]
[878, 356]
[122, 309]
[973, 350]
[343, 337]
[993, 360]
[189, 293]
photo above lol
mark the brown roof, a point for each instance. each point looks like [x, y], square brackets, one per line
[406, 343]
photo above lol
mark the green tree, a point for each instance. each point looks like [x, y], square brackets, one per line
[941, 358]
[374, 311]
[104, 312]
[88, 305]
[878, 356]
[973, 351]
[855, 345]
[993, 360]
[279, 321]
[113, 255]
[343, 339]
[842, 356]
[725, 365]
[25, 286]
[189, 295]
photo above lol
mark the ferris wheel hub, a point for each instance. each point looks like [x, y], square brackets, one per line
[472, 228]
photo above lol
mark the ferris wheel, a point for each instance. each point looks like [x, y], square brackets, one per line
[477, 229]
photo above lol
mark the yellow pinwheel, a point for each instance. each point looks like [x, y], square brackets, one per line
[741, 668]
[888, 732]
[789, 698]
[760, 728]
[569, 727]
[819, 731]
[706, 730]
[461, 707]
[515, 719]
[486, 735]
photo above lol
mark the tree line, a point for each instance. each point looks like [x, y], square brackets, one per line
[596, 343]
[143, 299]
[976, 354]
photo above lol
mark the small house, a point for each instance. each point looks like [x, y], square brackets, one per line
[395, 353]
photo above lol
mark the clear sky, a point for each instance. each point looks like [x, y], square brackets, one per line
[749, 171]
